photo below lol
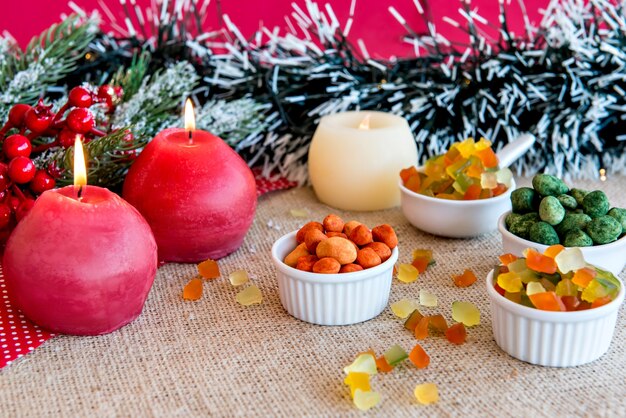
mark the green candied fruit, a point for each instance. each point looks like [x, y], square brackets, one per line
[579, 195]
[547, 185]
[510, 218]
[577, 238]
[572, 221]
[551, 211]
[523, 200]
[567, 201]
[596, 204]
[521, 228]
[543, 233]
[604, 229]
[620, 215]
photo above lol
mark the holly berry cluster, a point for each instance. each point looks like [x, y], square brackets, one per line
[29, 131]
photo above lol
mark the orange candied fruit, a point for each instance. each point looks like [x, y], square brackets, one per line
[418, 357]
[507, 258]
[553, 250]
[193, 289]
[438, 322]
[601, 301]
[464, 280]
[488, 157]
[456, 334]
[209, 269]
[382, 365]
[499, 189]
[547, 301]
[539, 262]
[472, 192]
[421, 330]
[421, 264]
[407, 173]
[582, 277]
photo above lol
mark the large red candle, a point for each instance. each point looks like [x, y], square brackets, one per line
[197, 194]
[80, 265]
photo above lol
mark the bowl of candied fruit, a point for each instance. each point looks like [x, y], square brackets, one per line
[553, 308]
[461, 193]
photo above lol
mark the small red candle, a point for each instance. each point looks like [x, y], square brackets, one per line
[197, 194]
[82, 261]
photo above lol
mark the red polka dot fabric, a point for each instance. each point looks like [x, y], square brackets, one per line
[19, 336]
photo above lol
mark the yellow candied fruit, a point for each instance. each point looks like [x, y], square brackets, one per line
[358, 380]
[407, 273]
[511, 282]
[366, 400]
[428, 299]
[238, 277]
[404, 307]
[209, 269]
[426, 393]
[363, 363]
[251, 295]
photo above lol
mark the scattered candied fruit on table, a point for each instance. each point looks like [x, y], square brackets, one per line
[357, 380]
[193, 289]
[426, 393]
[465, 312]
[395, 355]
[557, 280]
[251, 295]
[209, 269]
[407, 273]
[456, 334]
[365, 400]
[467, 171]
[419, 357]
[464, 280]
[428, 299]
[404, 307]
[238, 277]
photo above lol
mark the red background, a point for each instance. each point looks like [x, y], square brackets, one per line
[373, 23]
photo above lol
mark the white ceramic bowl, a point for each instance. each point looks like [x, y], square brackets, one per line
[557, 339]
[611, 257]
[454, 218]
[331, 299]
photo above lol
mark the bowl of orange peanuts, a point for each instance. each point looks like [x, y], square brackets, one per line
[459, 194]
[553, 308]
[335, 272]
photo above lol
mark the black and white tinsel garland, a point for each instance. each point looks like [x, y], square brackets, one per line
[564, 81]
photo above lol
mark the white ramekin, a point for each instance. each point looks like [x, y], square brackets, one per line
[557, 339]
[611, 257]
[454, 218]
[331, 299]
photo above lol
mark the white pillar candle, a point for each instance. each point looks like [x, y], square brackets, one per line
[357, 167]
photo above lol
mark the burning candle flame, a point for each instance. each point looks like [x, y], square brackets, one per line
[365, 123]
[80, 169]
[602, 174]
[190, 120]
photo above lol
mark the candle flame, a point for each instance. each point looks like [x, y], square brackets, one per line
[365, 123]
[190, 120]
[80, 169]
[602, 174]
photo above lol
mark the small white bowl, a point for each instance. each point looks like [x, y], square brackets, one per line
[331, 299]
[611, 257]
[556, 339]
[454, 218]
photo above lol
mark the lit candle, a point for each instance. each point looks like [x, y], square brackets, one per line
[197, 194]
[355, 159]
[82, 261]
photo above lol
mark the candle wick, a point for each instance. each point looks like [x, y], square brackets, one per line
[80, 192]
[190, 137]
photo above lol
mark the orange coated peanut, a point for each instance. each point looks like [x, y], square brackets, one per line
[292, 258]
[306, 228]
[326, 265]
[367, 257]
[384, 233]
[381, 249]
[306, 262]
[336, 234]
[338, 248]
[361, 235]
[333, 223]
[349, 226]
[349, 268]
[313, 238]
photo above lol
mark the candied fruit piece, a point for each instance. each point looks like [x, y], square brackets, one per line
[395, 355]
[357, 380]
[407, 273]
[515, 297]
[482, 144]
[193, 289]
[456, 334]
[238, 277]
[499, 189]
[511, 282]
[595, 290]
[488, 180]
[407, 173]
[566, 288]
[413, 320]
[428, 299]
[571, 259]
[251, 295]
[419, 252]
[365, 400]
[413, 183]
[539, 262]
[534, 287]
[488, 157]
[465, 312]
[404, 307]
[504, 177]
[553, 250]
[418, 357]
[547, 301]
[299, 213]
[382, 365]
[464, 280]
[472, 192]
[438, 322]
[426, 393]
[209, 269]
[601, 301]
[364, 363]
[547, 284]
[455, 169]
[499, 289]
[421, 330]
[507, 258]
[466, 148]
[571, 303]
[582, 277]
[421, 264]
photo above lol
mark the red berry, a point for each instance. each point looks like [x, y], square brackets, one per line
[80, 120]
[67, 138]
[24, 208]
[14, 202]
[38, 118]
[16, 145]
[109, 94]
[22, 170]
[16, 114]
[4, 181]
[80, 97]
[42, 182]
[54, 170]
[5, 215]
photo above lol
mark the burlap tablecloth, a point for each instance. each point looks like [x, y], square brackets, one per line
[214, 357]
